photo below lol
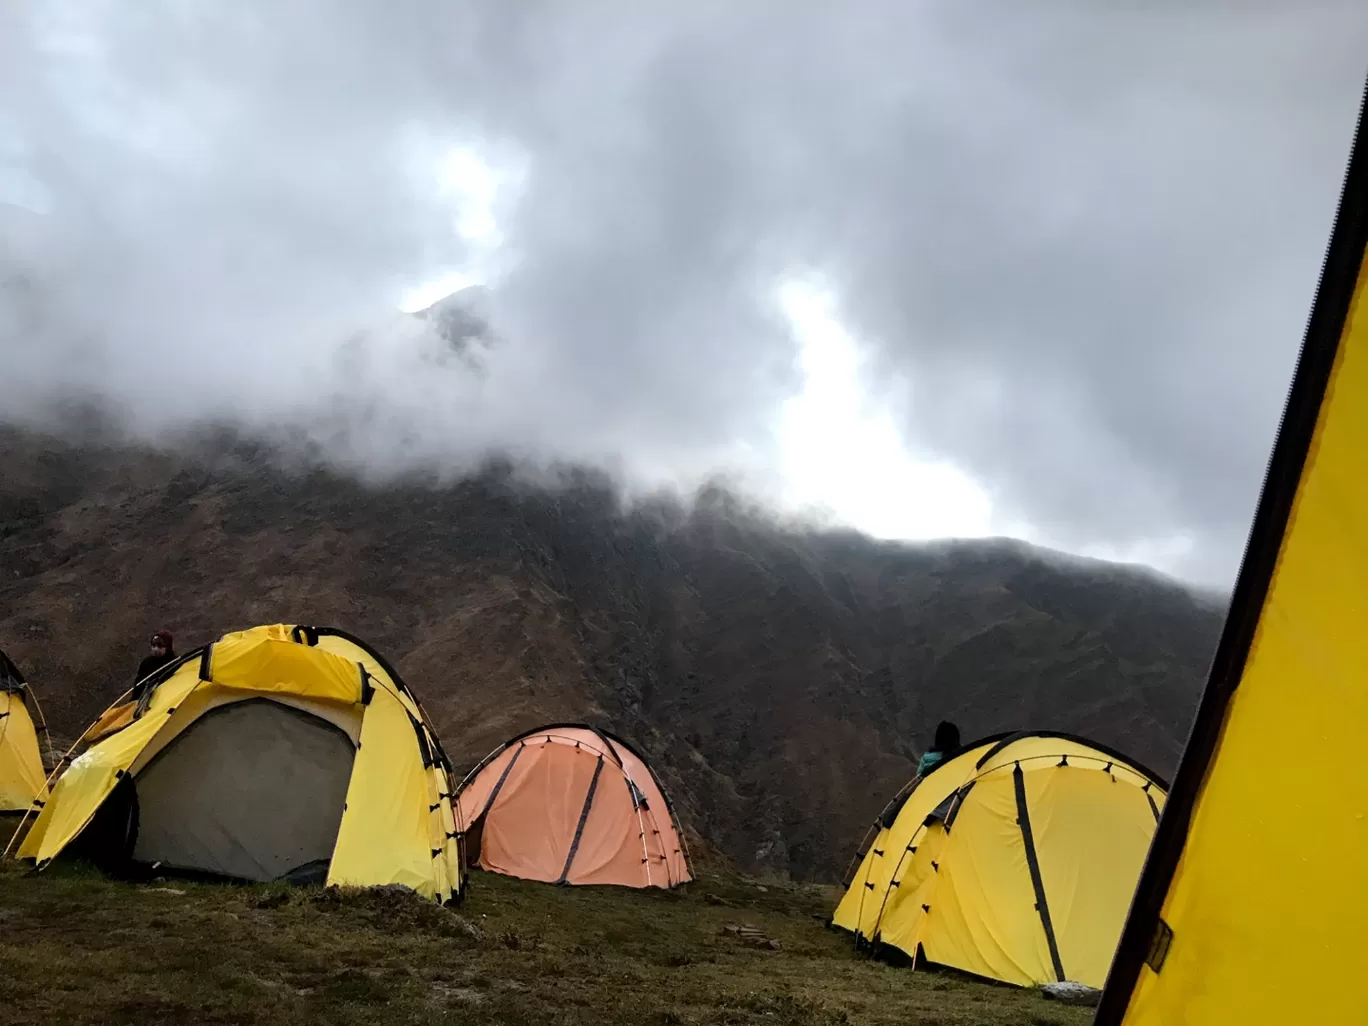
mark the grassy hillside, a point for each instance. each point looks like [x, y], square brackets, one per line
[79, 949]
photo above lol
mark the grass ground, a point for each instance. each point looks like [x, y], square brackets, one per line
[77, 948]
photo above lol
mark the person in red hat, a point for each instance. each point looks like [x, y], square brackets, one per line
[163, 652]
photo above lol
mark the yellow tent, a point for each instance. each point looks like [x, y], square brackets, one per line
[1015, 860]
[278, 752]
[22, 779]
[1253, 906]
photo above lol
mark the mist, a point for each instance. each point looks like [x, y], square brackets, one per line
[1076, 247]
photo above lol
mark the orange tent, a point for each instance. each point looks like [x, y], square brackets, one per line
[571, 804]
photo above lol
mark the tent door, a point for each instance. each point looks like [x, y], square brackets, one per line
[252, 790]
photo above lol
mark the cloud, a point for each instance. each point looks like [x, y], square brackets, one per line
[1078, 243]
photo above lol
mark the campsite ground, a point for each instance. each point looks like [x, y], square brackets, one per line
[76, 948]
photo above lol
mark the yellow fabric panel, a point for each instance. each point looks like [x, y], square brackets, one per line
[21, 763]
[447, 868]
[116, 717]
[443, 884]
[88, 779]
[903, 919]
[849, 914]
[263, 632]
[1091, 832]
[984, 919]
[856, 912]
[1269, 902]
[355, 653]
[386, 834]
[171, 692]
[446, 826]
[268, 664]
[86, 783]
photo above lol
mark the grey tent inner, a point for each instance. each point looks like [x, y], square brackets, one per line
[249, 790]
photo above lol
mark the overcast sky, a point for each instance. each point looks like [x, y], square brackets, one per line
[950, 268]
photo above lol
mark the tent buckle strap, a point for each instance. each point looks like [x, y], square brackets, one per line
[1159, 946]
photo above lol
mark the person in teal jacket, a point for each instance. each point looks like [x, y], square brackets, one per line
[946, 743]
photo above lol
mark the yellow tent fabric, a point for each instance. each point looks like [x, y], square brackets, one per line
[22, 779]
[1013, 860]
[1253, 904]
[397, 823]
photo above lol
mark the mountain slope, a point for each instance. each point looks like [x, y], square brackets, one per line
[784, 681]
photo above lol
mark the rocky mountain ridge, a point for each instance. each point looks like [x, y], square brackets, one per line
[783, 680]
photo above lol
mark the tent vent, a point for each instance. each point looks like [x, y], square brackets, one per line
[1159, 946]
[957, 805]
